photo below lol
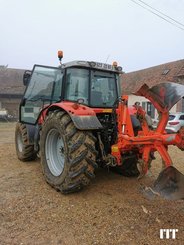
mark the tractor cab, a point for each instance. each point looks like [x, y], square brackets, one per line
[92, 84]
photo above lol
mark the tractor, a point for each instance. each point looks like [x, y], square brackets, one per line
[75, 118]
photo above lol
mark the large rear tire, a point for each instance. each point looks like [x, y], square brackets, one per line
[25, 152]
[68, 155]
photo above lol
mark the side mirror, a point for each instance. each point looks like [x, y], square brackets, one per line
[26, 77]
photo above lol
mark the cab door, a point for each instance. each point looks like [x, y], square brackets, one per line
[43, 89]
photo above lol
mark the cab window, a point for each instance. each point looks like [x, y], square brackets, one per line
[77, 85]
[103, 89]
[43, 89]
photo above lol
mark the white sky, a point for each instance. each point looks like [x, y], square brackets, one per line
[31, 31]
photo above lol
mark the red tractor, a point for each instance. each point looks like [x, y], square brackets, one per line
[75, 118]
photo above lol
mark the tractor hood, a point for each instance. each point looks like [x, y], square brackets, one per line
[164, 95]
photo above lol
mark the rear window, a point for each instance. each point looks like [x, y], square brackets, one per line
[171, 117]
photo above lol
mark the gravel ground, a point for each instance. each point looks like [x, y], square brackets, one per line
[112, 210]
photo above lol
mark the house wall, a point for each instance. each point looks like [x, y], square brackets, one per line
[11, 105]
[133, 98]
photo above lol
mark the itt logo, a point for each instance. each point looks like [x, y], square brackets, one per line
[168, 233]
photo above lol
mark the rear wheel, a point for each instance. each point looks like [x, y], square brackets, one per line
[25, 151]
[68, 155]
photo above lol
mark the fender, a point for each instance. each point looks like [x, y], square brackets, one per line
[83, 117]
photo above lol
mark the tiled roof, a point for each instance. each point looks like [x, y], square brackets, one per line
[171, 72]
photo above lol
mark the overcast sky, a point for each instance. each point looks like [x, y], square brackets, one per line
[32, 32]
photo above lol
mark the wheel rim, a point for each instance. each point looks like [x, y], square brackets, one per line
[54, 152]
[19, 142]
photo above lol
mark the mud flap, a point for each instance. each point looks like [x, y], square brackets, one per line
[170, 184]
[86, 122]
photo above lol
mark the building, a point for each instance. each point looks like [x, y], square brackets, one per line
[11, 89]
[169, 72]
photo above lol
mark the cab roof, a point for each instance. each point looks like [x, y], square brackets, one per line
[93, 64]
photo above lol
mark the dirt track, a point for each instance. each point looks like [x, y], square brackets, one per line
[110, 211]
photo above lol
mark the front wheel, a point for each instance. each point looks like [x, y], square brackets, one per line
[25, 151]
[68, 155]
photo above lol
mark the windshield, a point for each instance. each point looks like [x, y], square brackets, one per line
[103, 89]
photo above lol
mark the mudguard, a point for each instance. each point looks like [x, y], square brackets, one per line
[83, 117]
